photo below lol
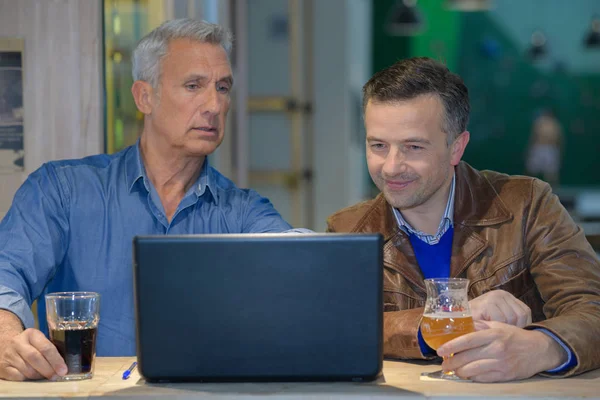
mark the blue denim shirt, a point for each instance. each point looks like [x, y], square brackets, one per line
[71, 225]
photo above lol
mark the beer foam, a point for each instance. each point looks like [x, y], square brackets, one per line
[443, 315]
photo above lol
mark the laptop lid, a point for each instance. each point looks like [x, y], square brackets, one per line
[259, 307]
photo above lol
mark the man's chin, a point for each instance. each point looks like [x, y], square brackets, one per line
[200, 151]
[398, 202]
[202, 147]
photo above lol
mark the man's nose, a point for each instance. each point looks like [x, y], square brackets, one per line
[394, 163]
[213, 103]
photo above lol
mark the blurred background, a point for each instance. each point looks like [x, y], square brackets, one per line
[295, 130]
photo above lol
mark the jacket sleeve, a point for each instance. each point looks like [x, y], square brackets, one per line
[566, 271]
[400, 334]
[400, 328]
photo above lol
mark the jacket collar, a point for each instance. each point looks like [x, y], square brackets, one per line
[476, 204]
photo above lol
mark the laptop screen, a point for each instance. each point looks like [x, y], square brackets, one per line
[259, 307]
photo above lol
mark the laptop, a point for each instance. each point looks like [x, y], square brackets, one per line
[259, 307]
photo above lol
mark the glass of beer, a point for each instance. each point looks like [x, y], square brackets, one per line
[446, 316]
[73, 323]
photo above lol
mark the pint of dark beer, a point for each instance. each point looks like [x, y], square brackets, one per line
[73, 323]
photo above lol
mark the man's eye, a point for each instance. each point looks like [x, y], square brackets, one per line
[377, 146]
[415, 148]
[192, 86]
[223, 88]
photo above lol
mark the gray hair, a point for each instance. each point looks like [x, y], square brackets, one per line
[153, 47]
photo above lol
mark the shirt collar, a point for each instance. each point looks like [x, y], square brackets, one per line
[135, 171]
[206, 180]
[448, 215]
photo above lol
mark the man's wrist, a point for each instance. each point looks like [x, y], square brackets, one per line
[10, 324]
[550, 353]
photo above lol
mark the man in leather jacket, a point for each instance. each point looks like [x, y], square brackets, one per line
[534, 279]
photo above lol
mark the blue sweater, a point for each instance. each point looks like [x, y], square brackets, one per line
[434, 259]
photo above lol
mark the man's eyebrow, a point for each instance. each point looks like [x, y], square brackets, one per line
[196, 77]
[407, 140]
[417, 140]
[228, 79]
[203, 78]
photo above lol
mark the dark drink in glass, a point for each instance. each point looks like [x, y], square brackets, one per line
[77, 347]
[73, 325]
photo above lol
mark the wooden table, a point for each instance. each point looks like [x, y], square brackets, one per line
[400, 380]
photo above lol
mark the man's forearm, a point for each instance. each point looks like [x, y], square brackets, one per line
[10, 324]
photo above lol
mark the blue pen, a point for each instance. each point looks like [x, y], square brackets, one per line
[129, 370]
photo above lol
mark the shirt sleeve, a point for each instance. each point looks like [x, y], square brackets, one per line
[571, 360]
[261, 217]
[33, 241]
[299, 231]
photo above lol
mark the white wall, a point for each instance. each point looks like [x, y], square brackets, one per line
[62, 81]
[342, 58]
[341, 64]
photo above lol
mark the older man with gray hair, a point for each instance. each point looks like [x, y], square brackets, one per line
[72, 222]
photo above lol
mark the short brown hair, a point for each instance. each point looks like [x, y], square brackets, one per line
[412, 77]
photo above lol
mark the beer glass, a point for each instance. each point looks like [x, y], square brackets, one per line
[446, 316]
[73, 323]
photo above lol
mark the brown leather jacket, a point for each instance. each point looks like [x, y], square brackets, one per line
[510, 233]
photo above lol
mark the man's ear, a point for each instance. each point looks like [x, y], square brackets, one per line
[458, 147]
[143, 95]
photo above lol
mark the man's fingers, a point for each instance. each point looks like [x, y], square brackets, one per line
[28, 348]
[49, 352]
[16, 367]
[488, 377]
[526, 312]
[501, 306]
[30, 355]
[481, 325]
[459, 360]
[511, 310]
[494, 313]
[11, 374]
[466, 342]
[24, 368]
[34, 359]
[476, 368]
[521, 312]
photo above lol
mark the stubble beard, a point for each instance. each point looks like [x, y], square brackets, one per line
[417, 196]
[404, 201]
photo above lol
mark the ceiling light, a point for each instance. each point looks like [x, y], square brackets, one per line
[592, 39]
[404, 19]
[538, 48]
